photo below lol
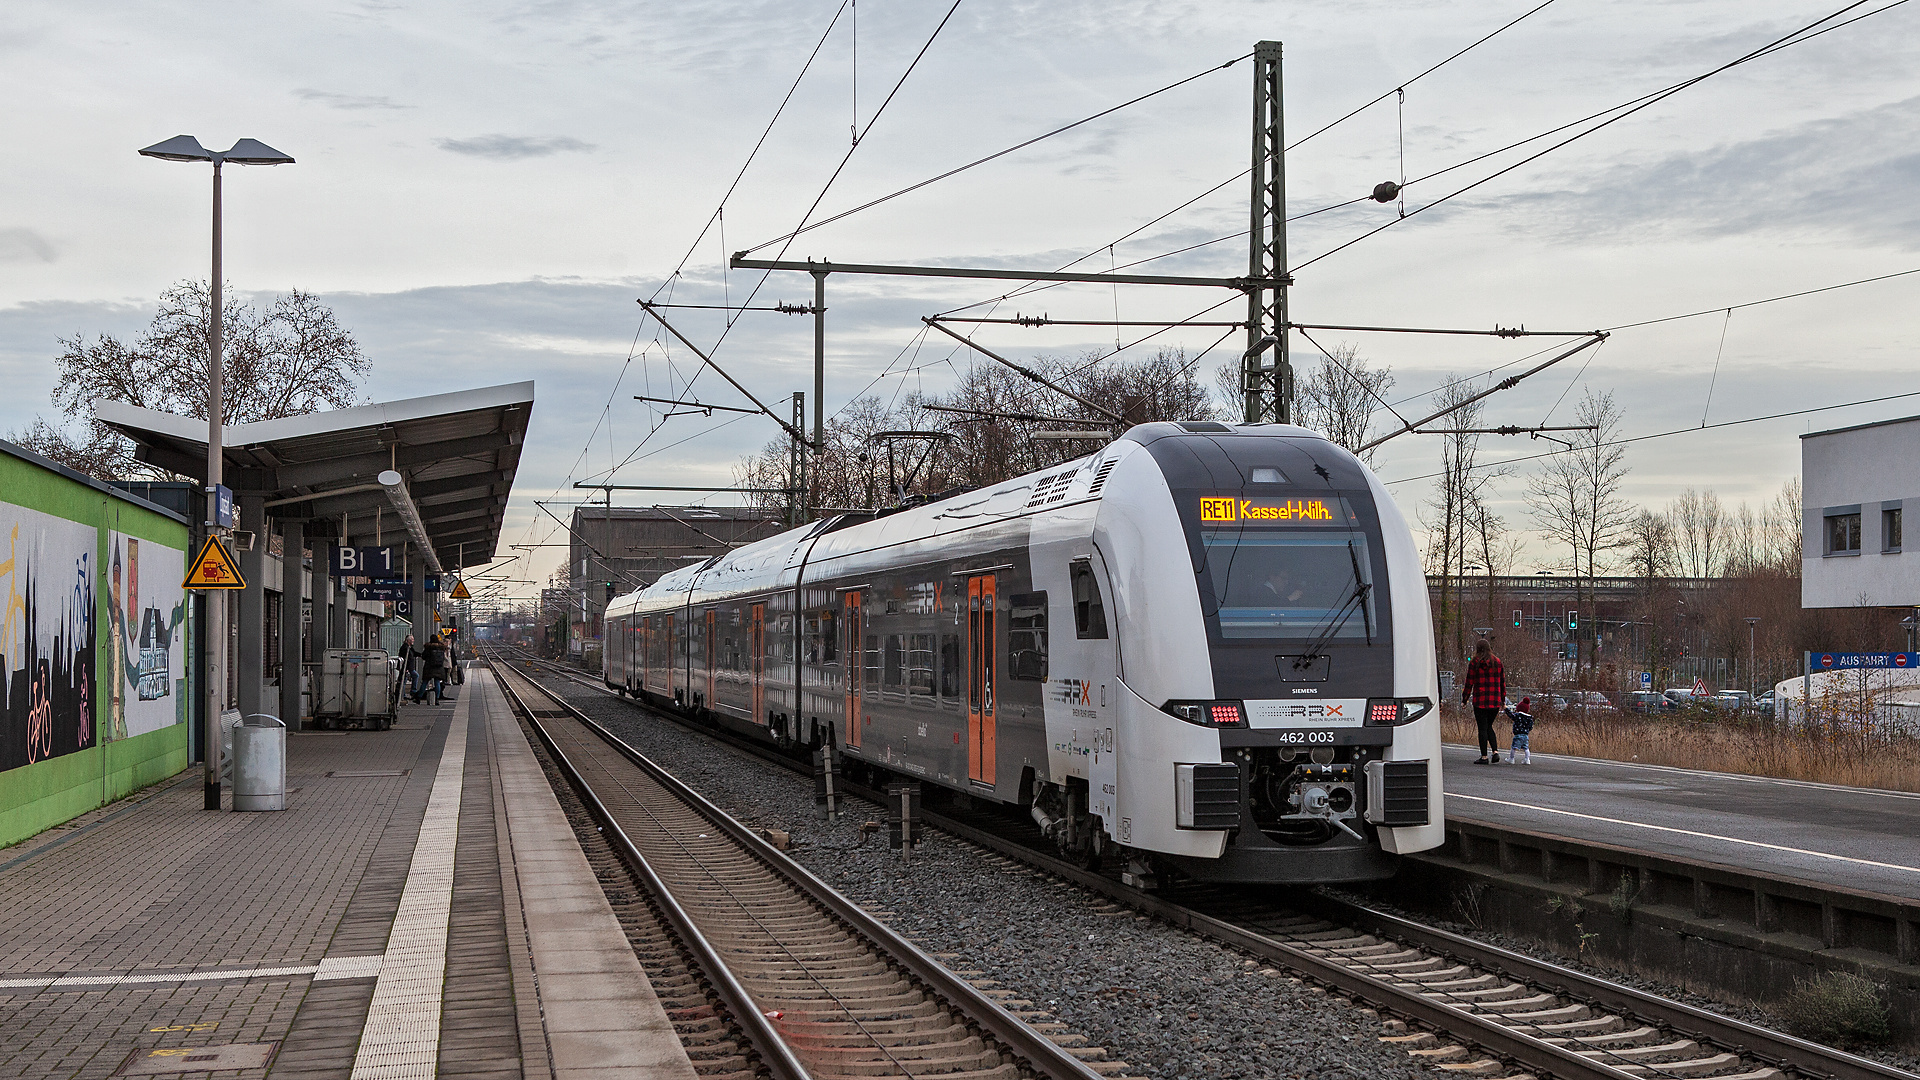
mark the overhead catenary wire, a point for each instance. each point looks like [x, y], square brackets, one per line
[1802, 34]
[1689, 429]
[996, 155]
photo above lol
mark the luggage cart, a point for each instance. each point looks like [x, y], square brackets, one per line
[357, 690]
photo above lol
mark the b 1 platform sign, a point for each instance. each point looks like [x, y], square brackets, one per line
[364, 561]
[459, 592]
[214, 568]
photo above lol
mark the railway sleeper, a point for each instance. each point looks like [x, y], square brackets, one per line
[1437, 1054]
[953, 1034]
[970, 1052]
[1706, 1066]
[1482, 1067]
[1675, 1050]
[1626, 1035]
[1514, 1007]
[888, 1008]
[1554, 1019]
[868, 969]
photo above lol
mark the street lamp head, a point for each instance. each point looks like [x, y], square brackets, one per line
[244, 152]
[178, 148]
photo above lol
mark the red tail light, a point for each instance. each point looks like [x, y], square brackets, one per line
[1208, 713]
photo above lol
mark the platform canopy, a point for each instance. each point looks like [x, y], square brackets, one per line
[456, 454]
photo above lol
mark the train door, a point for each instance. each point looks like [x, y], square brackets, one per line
[757, 645]
[712, 625]
[981, 674]
[645, 630]
[850, 664]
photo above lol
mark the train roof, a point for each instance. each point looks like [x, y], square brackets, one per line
[1073, 481]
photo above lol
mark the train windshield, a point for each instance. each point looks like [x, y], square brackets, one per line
[1279, 583]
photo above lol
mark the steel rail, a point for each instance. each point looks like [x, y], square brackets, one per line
[774, 1052]
[1042, 1055]
[1773, 1047]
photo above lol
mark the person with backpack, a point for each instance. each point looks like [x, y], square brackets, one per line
[1486, 690]
[433, 671]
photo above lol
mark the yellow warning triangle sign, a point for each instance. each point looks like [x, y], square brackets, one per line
[460, 592]
[214, 568]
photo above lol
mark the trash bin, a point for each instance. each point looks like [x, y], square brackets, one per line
[260, 763]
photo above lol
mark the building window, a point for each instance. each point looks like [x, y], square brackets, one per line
[1890, 529]
[1843, 534]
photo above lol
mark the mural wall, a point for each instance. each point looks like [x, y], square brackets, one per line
[47, 681]
[146, 655]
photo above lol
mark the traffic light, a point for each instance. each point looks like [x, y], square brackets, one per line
[1516, 620]
[1573, 619]
[609, 592]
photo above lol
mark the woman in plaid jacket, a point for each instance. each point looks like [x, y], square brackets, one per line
[1486, 691]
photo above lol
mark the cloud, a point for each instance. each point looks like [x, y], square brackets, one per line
[1854, 175]
[515, 147]
[347, 101]
[25, 245]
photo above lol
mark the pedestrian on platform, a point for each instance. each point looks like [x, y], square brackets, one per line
[456, 670]
[433, 671]
[1522, 717]
[410, 663]
[1486, 691]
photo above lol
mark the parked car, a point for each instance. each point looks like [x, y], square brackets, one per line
[1683, 695]
[1733, 700]
[1647, 701]
[1589, 701]
[1764, 704]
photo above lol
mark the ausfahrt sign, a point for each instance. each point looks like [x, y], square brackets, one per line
[1839, 661]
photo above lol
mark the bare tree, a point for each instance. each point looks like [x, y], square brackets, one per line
[989, 438]
[1699, 526]
[1781, 525]
[1575, 497]
[1457, 510]
[1337, 397]
[1649, 545]
[291, 359]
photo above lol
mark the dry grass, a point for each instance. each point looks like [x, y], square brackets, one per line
[1717, 745]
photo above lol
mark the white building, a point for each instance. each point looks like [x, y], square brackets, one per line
[1856, 482]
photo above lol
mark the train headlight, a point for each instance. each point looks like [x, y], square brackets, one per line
[1216, 714]
[1392, 712]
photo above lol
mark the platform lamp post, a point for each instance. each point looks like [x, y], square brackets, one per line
[1752, 621]
[244, 152]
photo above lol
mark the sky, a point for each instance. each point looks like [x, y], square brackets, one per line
[483, 190]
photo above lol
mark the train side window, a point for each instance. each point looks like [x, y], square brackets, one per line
[829, 637]
[873, 662]
[1089, 612]
[891, 674]
[920, 665]
[1027, 636]
[950, 666]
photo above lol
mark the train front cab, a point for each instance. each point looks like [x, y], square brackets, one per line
[1278, 720]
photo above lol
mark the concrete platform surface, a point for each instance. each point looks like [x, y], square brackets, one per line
[376, 928]
[1852, 837]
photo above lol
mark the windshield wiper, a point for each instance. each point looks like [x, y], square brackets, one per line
[1362, 589]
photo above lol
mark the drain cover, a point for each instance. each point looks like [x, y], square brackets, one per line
[167, 1060]
[374, 772]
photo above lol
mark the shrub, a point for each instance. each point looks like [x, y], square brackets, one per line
[1839, 1008]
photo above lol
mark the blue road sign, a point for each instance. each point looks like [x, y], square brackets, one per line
[1830, 661]
[223, 506]
[382, 592]
[1646, 680]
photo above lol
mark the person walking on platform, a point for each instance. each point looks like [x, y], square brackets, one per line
[410, 663]
[433, 671]
[1486, 691]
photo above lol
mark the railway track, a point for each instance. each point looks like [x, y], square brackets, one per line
[1457, 1003]
[811, 984]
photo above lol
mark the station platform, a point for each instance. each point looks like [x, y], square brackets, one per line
[421, 908]
[1822, 834]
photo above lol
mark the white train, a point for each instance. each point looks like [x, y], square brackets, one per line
[1203, 648]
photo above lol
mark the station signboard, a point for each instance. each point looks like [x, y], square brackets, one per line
[364, 561]
[383, 591]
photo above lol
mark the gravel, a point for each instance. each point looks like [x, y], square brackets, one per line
[1170, 1004]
